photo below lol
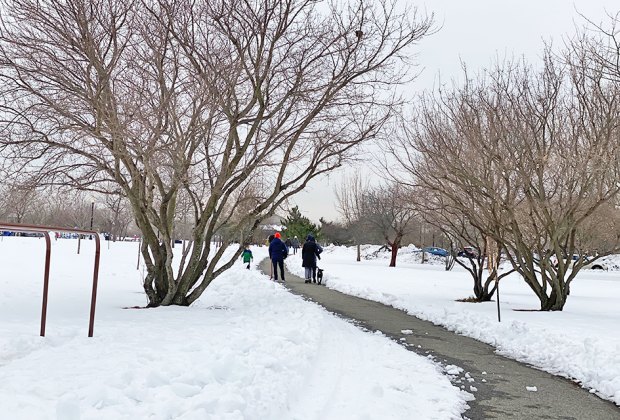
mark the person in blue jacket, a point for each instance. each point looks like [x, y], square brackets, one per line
[277, 253]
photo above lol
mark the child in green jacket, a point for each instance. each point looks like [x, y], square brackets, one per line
[247, 257]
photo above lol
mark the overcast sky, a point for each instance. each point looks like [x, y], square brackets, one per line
[475, 32]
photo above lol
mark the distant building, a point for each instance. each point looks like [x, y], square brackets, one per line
[268, 227]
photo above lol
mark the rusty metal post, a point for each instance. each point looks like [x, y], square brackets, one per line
[46, 280]
[44, 230]
[93, 298]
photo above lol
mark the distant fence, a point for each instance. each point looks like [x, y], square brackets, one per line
[45, 230]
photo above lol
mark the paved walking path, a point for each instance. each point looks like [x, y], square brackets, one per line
[502, 396]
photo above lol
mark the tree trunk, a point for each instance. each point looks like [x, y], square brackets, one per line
[450, 260]
[359, 253]
[484, 293]
[158, 277]
[555, 301]
[395, 245]
[559, 288]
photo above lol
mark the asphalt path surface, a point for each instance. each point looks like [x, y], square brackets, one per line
[501, 383]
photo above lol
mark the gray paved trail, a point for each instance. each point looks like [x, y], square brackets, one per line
[502, 396]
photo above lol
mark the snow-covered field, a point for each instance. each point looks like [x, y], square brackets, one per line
[247, 350]
[581, 342]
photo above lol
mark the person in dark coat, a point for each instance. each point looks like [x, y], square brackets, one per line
[277, 252]
[269, 241]
[310, 252]
[295, 243]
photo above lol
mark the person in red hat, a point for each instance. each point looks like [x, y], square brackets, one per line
[277, 253]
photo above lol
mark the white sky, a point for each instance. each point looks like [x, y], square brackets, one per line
[475, 32]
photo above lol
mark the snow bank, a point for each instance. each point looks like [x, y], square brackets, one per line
[247, 350]
[406, 254]
[582, 342]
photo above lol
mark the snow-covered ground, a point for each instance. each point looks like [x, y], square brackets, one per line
[247, 350]
[581, 342]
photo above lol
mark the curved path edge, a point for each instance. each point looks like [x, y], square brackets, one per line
[501, 391]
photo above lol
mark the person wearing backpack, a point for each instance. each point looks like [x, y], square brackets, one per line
[277, 253]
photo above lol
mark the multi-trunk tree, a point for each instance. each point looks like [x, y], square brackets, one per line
[477, 251]
[528, 157]
[388, 209]
[197, 102]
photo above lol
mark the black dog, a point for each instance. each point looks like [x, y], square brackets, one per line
[319, 275]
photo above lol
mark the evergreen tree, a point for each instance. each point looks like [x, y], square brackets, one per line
[299, 225]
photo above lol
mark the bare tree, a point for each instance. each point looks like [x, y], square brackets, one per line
[20, 203]
[335, 232]
[115, 216]
[175, 98]
[386, 209]
[597, 47]
[528, 157]
[599, 233]
[452, 219]
[349, 196]
[65, 207]
[389, 210]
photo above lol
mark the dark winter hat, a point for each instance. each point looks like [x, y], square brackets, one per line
[309, 238]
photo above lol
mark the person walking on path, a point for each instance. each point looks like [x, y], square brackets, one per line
[277, 253]
[295, 243]
[309, 254]
[269, 241]
[288, 243]
[247, 257]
